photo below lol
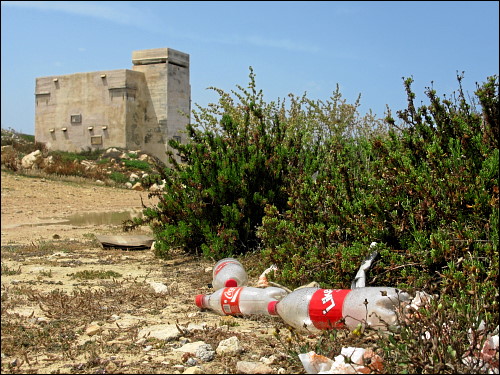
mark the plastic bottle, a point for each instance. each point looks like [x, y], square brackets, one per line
[228, 272]
[314, 309]
[243, 300]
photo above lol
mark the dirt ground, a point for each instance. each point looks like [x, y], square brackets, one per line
[71, 306]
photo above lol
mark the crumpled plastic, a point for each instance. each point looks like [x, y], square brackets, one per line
[350, 361]
[489, 353]
[263, 282]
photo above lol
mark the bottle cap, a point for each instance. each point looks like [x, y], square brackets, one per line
[231, 283]
[199, 300]
[271, 308]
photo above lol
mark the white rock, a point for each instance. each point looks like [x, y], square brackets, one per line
[229, 346]
[138, 186]
[246, 367]
[191, 347]
[30, 160]
[158, 287]
[160, 331]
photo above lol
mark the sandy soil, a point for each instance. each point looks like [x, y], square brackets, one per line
[32, 207]
[53, 321]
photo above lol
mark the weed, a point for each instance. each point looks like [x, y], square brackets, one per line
[93, 274]
[44, 273]
[137, 164]
[6, 271]
[118, 177]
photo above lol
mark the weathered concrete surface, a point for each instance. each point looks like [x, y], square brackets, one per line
[139, 108]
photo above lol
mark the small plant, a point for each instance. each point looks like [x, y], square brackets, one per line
[137, 164]
[93, 274]
[118, 177]
[44, 273]
[6, 271]
[445, 337]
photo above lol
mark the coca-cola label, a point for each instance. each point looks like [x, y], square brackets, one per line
[325, 308]
[230, 300]
[222, 265]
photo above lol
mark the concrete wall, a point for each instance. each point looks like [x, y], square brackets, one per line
[133, 109]
[167, 76]
[73, 111]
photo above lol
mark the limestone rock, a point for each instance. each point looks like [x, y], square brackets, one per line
[31, 160]
[229, 346]
[246, 367]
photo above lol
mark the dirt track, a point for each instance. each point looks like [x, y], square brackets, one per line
[42, 298]
[29, 202]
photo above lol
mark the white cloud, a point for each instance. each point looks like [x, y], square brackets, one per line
[124, 13]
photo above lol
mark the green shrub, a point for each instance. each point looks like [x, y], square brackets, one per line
[118, 177]
[137, 164]
[427, 192]
[240, 158]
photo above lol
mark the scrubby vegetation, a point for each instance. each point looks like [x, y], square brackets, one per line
[114, 166]
[308, 185]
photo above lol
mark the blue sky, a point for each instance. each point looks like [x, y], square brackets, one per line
[293, 46]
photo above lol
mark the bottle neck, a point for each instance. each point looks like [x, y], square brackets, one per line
[201, 300]
[231, 283]
[271, 308]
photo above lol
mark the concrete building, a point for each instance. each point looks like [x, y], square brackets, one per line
[133, 109]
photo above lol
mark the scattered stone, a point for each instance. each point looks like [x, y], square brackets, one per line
[268, 360]
[112, 153]
[7, 148]
[193, 370]
[48, 161]
[158, 287]
[230, 346]
[191, 361]
[138, 186]
[191, 347]
[133, 177]
[92, 330]
[246, 367]
[166, 332]
[193, 326]
[30, 161]
[205, 353]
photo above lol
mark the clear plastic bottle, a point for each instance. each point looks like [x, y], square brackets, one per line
[314, 309]
[243, 300]
[228, 272]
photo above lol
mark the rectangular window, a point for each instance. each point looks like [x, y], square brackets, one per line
[76, 119]
[96, 140]
[42, 98]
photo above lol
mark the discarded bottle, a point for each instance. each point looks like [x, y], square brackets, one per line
[228, 272]
[314, 309]
[243, 300]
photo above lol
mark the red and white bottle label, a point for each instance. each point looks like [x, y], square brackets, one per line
[325, 308]
[222, 265]
[230, 300]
